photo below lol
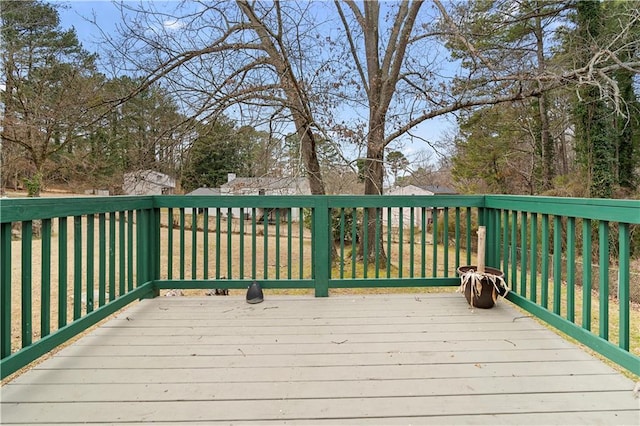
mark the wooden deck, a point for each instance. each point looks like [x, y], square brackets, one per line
[375, 359]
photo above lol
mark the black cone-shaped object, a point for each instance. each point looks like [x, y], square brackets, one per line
[254, 293]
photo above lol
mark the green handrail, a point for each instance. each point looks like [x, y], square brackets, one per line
[568, 225]
[83, 295]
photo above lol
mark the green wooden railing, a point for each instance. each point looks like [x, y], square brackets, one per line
[67, 263]
[566, 259]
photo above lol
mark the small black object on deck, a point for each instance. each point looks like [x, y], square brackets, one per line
[254, 293]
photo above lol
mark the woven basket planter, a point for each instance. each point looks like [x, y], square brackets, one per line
[482, 289]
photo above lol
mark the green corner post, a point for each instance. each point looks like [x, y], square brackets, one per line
[321, 247]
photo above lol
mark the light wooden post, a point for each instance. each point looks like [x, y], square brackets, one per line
[482, 235]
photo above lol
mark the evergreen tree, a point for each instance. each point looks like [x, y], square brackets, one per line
[51, 86]
[494, 151]
[396, 161]
[627, 121]
[218, 150]
[513, 40]
[594, 136]
[628, 133]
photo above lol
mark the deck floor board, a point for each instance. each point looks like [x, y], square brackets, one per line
[375, 359]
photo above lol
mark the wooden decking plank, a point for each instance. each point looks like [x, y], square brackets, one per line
[196, 361]
[293, 409]
[114, 392]
[210, 321]
[311, 348]
[223, 329]
[387, 305]
[260, 374]
[524, 419]
[310, 336]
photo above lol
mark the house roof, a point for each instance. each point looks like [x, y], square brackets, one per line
[205, 191]
[420, 190]
[268, 184]
[152, 176]
[438, 189]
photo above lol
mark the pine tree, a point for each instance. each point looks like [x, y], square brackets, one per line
[51, 84]
[218, 150]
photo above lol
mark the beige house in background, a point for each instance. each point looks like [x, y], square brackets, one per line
[265, 186]
[148, 182]
[417, 211]
[258, 186]
[204, 191]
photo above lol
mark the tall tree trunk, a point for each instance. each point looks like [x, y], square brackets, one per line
[546, 141]
[548, 146]
[374, 164]
[628, 128]
[297, 103]
[379, 74]
[563, 153]
[593, 123]
[373, 185]
[309, 153]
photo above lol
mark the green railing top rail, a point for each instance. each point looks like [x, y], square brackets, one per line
[18, 209]
[627, 211]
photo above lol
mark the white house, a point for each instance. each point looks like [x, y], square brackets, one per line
[420, 190]
[148, 182]
[204, 191]
[257, 186]
[417, 211]
[267, 186]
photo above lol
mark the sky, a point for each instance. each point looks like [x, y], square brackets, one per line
[78, 13]
[75, 13]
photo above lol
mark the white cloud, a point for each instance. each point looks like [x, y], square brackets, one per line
[172, 24]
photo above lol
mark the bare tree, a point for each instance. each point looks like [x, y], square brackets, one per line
[273, 43]
[51, 85]
[407, 77]
[280, 62]
[248, 59]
